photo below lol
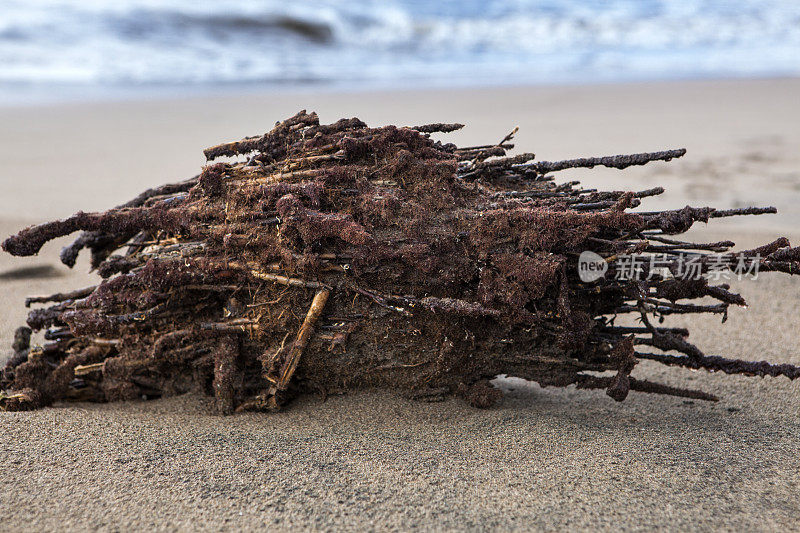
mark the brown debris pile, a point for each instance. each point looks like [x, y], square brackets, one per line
[340, 257]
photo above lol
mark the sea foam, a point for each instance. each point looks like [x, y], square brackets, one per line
[135, 42]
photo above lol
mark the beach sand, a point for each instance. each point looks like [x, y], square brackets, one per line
[544, 459]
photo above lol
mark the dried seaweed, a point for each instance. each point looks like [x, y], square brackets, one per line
[340, 257]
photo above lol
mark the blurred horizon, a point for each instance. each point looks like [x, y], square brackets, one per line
[53, 49]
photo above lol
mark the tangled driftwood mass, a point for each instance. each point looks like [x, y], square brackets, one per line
[340, 257]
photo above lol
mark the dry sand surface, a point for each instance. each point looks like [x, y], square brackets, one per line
[544, 459]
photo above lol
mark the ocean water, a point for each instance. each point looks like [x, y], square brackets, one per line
[90, 44]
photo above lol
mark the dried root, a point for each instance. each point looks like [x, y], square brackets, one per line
[340, 257]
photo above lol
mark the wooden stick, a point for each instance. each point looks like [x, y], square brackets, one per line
[239, 325]
[61, 296]
[303, 337]
[283, 280]
[107, 342]
[82, 370]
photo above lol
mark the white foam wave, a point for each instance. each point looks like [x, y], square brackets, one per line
[179, 41]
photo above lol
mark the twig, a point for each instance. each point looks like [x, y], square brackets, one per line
[61, 296]
[303, 336]
[614, 161]
[82, 370]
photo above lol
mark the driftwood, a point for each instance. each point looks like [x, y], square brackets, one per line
[340, 257]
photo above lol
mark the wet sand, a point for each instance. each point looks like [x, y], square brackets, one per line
[544, 459]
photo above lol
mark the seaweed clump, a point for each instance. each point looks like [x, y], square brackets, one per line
[339, 257]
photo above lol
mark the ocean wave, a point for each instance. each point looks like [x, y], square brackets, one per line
[181, 41]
